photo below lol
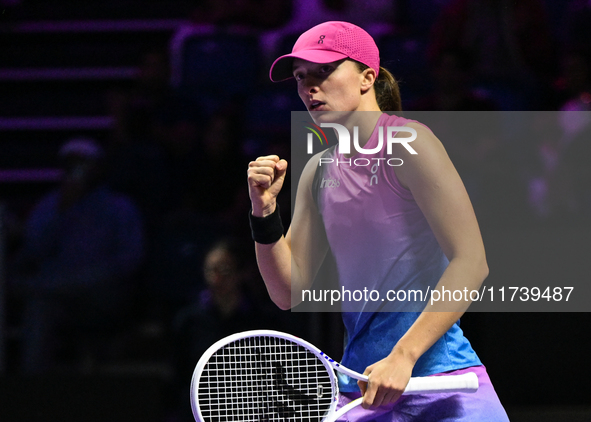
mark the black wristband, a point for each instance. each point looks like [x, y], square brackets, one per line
[266, 230]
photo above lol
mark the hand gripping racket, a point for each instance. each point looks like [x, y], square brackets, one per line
[269, 376]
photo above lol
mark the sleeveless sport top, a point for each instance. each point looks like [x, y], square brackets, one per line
[381, 241]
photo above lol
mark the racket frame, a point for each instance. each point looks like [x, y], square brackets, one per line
[329, 364]
[466, 383]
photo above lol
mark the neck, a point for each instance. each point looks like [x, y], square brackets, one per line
[365, 121]
[366, 116]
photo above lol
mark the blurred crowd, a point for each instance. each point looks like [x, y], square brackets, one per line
[151, 224]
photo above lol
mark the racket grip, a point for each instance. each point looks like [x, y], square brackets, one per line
[465, 383]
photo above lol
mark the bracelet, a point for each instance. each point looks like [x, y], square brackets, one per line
[266, 230]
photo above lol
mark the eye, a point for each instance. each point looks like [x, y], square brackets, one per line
[325, 69]
[298, 76]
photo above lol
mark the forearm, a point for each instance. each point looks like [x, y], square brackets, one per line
[388, 377]
[274, 261]
[289, 264]
[439, 316]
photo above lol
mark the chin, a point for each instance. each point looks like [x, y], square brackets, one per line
[329, 116]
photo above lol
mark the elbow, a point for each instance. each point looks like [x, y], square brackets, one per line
[485, 271]
[282, 302]
[474, 266]
[284, 305]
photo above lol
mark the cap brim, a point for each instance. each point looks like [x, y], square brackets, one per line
[282, 68]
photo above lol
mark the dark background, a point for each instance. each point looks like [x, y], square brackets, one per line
[112, 70]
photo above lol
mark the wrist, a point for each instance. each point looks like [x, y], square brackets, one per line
[263, 211]
[267, 229]
[405, 352]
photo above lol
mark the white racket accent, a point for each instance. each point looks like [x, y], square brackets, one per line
[465, 383]
[265, 375]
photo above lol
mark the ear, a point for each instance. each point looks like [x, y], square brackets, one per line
[368, 78]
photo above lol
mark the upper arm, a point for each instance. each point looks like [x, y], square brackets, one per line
[306, 236]
[440, 194]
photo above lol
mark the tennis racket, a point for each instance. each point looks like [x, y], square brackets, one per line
[266, 376]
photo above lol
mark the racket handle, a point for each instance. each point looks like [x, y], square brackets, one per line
[465, 383]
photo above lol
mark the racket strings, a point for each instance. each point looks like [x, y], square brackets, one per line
[264, 379]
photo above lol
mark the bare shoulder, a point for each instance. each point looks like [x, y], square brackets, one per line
[429, 161]
[427, 141]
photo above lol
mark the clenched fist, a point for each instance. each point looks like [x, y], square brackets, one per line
[265, 180]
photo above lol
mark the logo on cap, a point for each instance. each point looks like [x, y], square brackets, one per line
[321, 40]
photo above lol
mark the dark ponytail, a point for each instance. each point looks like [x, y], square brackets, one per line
[386, 88]
[387, 91]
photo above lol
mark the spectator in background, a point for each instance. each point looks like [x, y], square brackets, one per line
[225, 307]
[82, 245]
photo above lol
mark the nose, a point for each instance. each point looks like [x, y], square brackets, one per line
[313, 89]
[310, 85]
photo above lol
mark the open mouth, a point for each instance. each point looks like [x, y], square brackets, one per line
[315, 105]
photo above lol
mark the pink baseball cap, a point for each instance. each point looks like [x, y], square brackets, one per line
[326, 43]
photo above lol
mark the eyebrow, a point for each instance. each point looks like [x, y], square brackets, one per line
[335, 63]
[294, 67]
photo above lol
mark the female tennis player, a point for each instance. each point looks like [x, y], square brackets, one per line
[386, 227]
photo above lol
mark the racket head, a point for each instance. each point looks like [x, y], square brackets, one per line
[263, 375]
